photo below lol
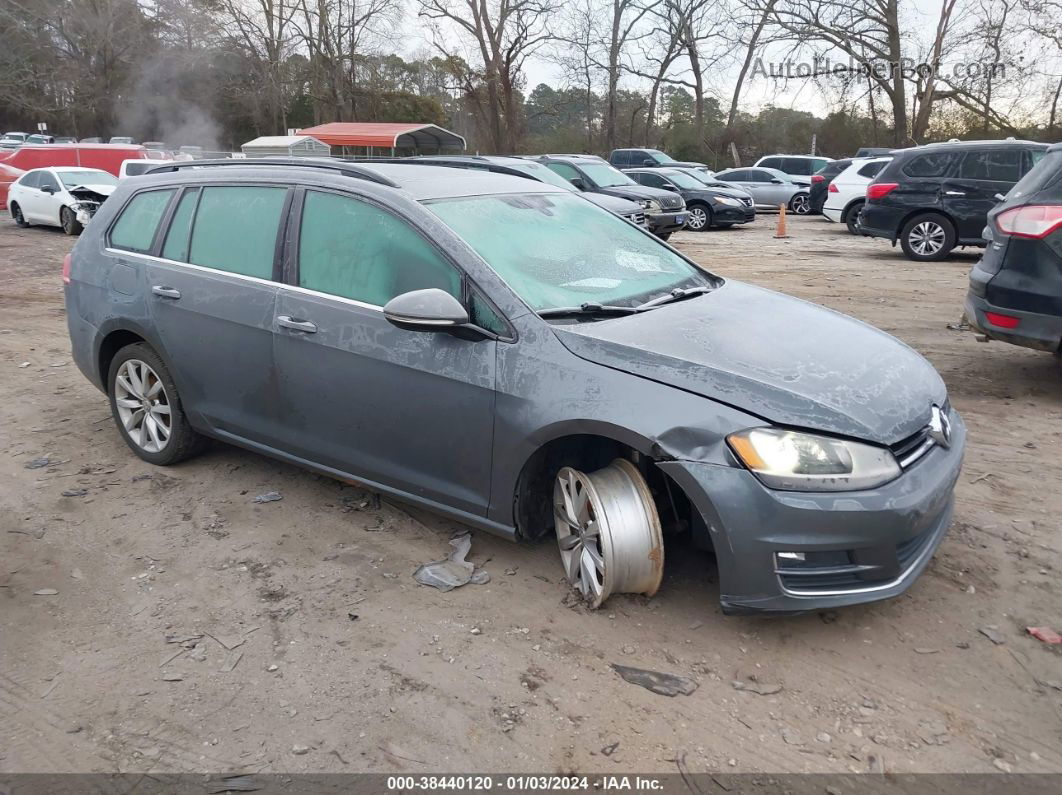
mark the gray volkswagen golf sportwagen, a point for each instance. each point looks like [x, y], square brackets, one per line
[507, 354]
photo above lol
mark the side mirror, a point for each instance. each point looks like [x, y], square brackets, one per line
[999, 197]
[578, 183]
[776, 181]
[669, 187]
[425, 310]
[48, 189]
[648, 163]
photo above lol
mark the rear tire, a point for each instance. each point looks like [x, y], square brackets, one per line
[928, 237]
[16, 214]
[147, 409]
[67, 219]
[851, 217]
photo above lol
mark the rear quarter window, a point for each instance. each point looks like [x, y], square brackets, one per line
[871, 170]
[929, 164]
[139, 220]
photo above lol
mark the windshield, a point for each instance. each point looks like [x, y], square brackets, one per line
[605, 176]
[88, 176]
[558, 250]
[684, 180]
[660, 157]
[543, 174]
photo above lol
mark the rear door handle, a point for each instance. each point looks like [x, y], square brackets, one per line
[954, 193]
[287, 321]
[166, 292]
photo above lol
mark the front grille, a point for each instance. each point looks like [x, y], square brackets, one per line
[671, 202]
[638, 219]
[909, 450]
[747, 202]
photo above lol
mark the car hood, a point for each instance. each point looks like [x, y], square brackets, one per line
[613, 203]
[636, 192]
[103, 190]
[787, 361]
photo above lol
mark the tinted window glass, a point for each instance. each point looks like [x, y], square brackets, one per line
[355, 250]
[833, 169]
[135, 228]
[797, 165]
[176, 247]
[771, 162]
[817, 164]
[236, 229]
[136, 169]
[621, 158]
[46, 180]
[735, 176]
[931, 164]
[652, 180]
[999, 165]
[30, 180]
[1047, 171]
[761, 176]
[871, 170]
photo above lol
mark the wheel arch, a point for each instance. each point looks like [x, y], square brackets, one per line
[114, 336]
[848, 207]
[923, 211]
[584, 445]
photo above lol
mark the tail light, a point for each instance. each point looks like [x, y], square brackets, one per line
[66, 269]
[1034, 221]
[879, 190]
[832, 189]
[817, 178]
[1002, 321]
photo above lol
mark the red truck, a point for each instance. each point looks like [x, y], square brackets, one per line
[107, 157]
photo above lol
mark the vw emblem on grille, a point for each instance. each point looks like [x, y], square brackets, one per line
[940, 427]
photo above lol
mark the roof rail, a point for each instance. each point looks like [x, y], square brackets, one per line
[346, 168]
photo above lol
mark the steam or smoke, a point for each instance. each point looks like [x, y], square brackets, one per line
[157, 108]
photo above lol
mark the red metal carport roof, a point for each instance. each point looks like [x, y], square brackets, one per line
[388, 135]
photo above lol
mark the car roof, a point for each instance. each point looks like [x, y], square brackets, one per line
[420, 182]
[69, 168]
[805, 157]
[574, 158]
[988, 144]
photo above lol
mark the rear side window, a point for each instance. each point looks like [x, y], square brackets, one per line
[771, 162]
[930, 164]
[353, 249]
[761, 176]
[177, 237]
[235, 229]
[136, 169]
[135, 228]
[996, 165]
[736, 176]
[30, 180]
[796, 165]
[871, 170]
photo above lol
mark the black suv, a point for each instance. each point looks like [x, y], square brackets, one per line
[1016, 289]
[649, 158]
[820, 182]
[935, 197]
[666, 212]
[707, 207]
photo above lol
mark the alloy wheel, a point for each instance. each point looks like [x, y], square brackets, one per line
[698, 219]
[143, 405]
[927, 238]
[801, 204]
[66, 218]
[19, 220]
[608, 531]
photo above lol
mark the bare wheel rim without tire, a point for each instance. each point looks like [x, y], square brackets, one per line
[143, 405]
[608, 531]
[801, 204]
[926, 238]
[698, 218]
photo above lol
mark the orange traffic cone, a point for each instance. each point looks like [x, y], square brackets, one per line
[780, 231]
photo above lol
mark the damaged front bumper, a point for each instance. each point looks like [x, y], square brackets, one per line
[787, 551]
[86, 203]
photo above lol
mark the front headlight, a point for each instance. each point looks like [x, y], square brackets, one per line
[653, 206]
[794, 461]
[645, 204]
[727, 200]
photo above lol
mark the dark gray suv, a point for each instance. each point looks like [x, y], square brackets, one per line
[507, 354]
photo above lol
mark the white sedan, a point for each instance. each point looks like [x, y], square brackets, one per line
[63, 196]
[847, 193]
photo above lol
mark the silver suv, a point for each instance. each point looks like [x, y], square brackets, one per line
[505, 353]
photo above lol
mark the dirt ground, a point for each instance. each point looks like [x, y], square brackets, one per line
[193, 630]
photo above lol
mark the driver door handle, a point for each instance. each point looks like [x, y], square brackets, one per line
[287, 321]
[166, 292]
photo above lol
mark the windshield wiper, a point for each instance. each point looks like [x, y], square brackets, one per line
[588, 309]
[678, 294]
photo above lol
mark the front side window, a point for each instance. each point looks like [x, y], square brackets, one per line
[1001, 165]
[566, 171]
[47, 180]
[652, 180]
[235, 229]
[135, 228]
[353, 249]
[659, 157]
[761, 176]
[556, 250]
[771, 162]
